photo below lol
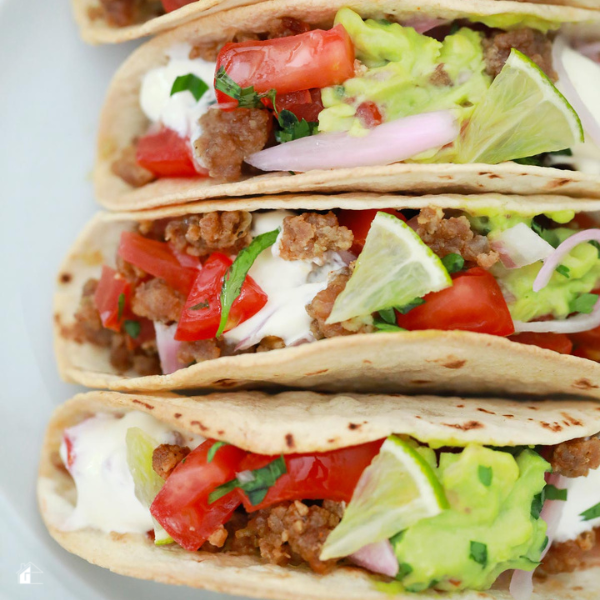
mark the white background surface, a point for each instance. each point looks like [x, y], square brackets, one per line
[51, 90]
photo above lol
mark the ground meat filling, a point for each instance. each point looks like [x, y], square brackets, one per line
[310, 235]
[290, 532]
[200, 235]
[575, 458]
[228, 138]
[127, 168]
[453, 236]
[569, 556]
[157, 301]
[534, 44]
[190, 353]
[121, 13]
[88, 325]
[166, 457]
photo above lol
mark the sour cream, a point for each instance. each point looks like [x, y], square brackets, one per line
[583, 493]
[586, 158]
[180, 112]
[289, 285]
[106, 497]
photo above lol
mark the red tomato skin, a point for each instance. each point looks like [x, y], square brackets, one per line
[305, 104]
[559, 342]
[181, 506]
[171, 5]
[202, 324]
[166, 154]
[320, 476]
[359, 221]
[156, 258]
[320, 59]
[473, 303]
[369, 114]
[106, 298]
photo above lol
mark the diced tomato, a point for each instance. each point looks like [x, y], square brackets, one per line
[473, 303]
[306, 104]
[359, 221]
[156, 258]
[147, 332]
[202, 312]
[315, 59]
[185, 259]
[181, 506]
[559, 342]
[589, 353]
[320, 476]
[109, 290]
[166, 154]
[171, 5]
[586, 221]
[369, 114]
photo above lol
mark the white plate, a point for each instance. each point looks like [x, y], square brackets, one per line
[51, 89]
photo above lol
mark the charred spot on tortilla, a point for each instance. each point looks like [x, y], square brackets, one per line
[177, 415]
[571, 420]
[66, 277]
[145, 404]
[289, 440]
[353, 426]
[455, 364]
[200, 425]
[552, 426]
[316, 373]
[487, 412]
[584, 384]
[509, 416]
[465, 426]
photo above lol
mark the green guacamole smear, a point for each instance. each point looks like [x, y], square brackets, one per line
[488, 529]
[405, 73]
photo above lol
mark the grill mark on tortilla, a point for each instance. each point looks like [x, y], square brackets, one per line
[367, 362]
[177, 415]
[509, 416]
[316, 373]
[465, 426]
[551, 426]
[532, 407]
[289, 440]
[148, 406]
[199, 424]
[584, 384]
[455, 364]
[66, 277]
[487, 412]
[571, 420]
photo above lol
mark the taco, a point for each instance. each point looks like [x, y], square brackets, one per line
[388, 96]
[337, 292]
[303, 495]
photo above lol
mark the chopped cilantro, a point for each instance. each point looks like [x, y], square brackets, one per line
[213, 450]
[246, 97]
[485, 475]
[596, 245]
[200, 305]
[584, 304]
[121, 305]
[387, 327]
[546, 234]
[388, 315]
[404, 569]
[408, 307]
[453, 263]
[591, 513]
[479, 553]
[564, 271]
[546, 540]
[257, 488]
[132, 328]
[537, 505]
[190, 83]
[551, 492]
[291, 128]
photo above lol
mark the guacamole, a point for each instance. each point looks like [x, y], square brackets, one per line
[489, 527]
[405, 73]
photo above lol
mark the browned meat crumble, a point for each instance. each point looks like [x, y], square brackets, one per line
[575, 458]
[569, 556]
[166, 457]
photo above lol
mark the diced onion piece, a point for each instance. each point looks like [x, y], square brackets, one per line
[575, 72]
[385, 144]
[168, 347]
[245, 476]
[553, 261]
[378, 558]
[520, 246]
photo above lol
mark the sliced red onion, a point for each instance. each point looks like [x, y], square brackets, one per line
[576, 324]
[385, 144]
[378, 558]
[543, 277]
[590, 124]
[423, 24]
[521, 583]
[168, 347]
[519, 246]
[591, 50]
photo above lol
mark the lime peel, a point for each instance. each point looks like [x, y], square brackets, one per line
[393, 269]
[395, 491]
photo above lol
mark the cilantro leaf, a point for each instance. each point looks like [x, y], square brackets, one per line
[453, 262]
[246, 97]
[403, 570]
[564, 271]
[534, 161]
[236, 274]
[121, 305]
[551, 492]
[591, 513]
[479, 553]
[485, 475]
[200, 306]
[388, 315]
[190, 83]
[408, 307]
[537, 505]
[546, 234]
[584, 303]
[213, 450]
[387, 327]
[256, 489]
[132, 328]
[291, 128]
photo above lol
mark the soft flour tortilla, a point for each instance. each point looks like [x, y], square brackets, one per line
[313, 422]
[415, 362]
[123, 121]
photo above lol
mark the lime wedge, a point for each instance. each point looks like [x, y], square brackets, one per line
[395, 491]
[140, 447]
[522, 114]
[394, 268]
